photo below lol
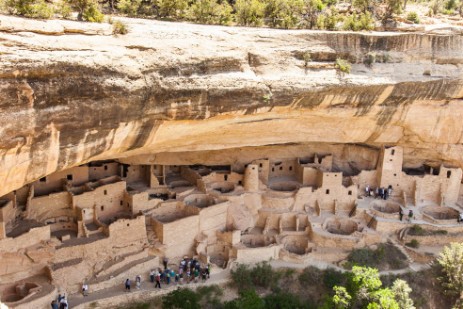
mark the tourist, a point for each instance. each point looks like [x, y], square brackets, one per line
[389, 190]
[85, 289]
[460, 217]
[177, 277]
[410, 215]
[208, 270]
[196, 275]
[367, 190]
[172, 274]
[167, 275]
[54, 304]
[138, 281]
[204, 275]
[63, 304]
[401, 214]
[152, 274]
[127, 285]
[158, 281]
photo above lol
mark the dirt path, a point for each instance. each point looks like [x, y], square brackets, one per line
[117, 295]
[147, 290]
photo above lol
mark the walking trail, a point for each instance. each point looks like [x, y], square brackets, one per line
[115, 296]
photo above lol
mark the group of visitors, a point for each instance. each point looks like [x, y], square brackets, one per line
[189, 270]
[380, 192]
[60, 303]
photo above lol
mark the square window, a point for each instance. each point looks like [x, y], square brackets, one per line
[327, 191]
[69, 177]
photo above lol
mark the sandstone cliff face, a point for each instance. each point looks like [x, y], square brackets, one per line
[193, 90]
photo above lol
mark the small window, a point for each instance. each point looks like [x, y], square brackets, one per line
[349, 192]
[273, 169]
[327, 191]
[43, 179]
[260, 164]
[335, 175]
[449, 173]
[121, 203]
[392, 151]
[290, 168]
[105, 192]
[395, 175]
[105, 167]
[128, 224]
[102, 208]
[69, 177]
[253, 168]
[281, 168]
[390, 160]
[240, 183]
[83, 211]
[225, 177]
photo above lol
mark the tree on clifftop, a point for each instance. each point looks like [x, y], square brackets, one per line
[87, 10]
[249, 12]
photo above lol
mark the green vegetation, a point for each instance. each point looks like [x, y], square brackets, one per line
[413, 17]
[364, 289]
[342, 65]
[261, 275]
[119, 27]
[285, 14]
[417, 230]
[384, 257]
[451, 261]
[413, 243]
[249, 12]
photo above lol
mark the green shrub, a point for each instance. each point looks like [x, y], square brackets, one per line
[310, 276]
[29, 8]
[211, 12]
[284, 300]
[263, 275]
[363, 21]
[450, 5]
[210, 294]
[332, 277]
[417, 230]
[450, 261]
[181, 298]
[174, 9]
[369, 59]
[129, 7]
[63, 8]
[342, 65]
[249, 12]
[307, 58]
[119, 27]
[413, 17]
[413, 243]
[241, 277]
[92, 14]
[283, 13]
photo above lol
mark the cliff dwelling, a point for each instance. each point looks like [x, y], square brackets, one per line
[86, 223]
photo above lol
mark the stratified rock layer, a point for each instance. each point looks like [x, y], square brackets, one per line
[193, 90]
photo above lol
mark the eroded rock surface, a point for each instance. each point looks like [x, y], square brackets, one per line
[193, 90]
